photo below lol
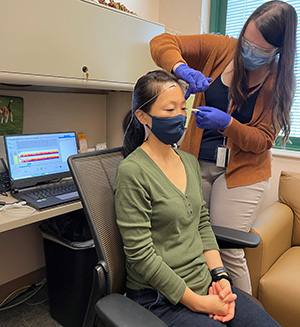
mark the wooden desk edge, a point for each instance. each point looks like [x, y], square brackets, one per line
[9, 221]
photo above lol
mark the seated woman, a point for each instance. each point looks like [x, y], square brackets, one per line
[174, 268]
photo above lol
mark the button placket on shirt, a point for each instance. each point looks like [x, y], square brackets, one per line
[188, 205]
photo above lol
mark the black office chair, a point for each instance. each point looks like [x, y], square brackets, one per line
[94, 174]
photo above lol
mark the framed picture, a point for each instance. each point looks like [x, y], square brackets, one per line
[11, 115]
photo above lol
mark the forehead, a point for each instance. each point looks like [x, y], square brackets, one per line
[253, 35]
[170, 93]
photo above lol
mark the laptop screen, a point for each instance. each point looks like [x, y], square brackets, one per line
[39, 158]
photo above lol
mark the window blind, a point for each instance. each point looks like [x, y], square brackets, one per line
[238, 12]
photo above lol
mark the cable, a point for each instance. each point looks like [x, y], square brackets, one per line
[11, 296]
[17, 203]
[3, 306]
[37, 303]
[14, 208]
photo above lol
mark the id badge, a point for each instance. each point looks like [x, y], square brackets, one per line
[223, 155]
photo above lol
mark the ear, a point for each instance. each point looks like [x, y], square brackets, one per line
[141, 116]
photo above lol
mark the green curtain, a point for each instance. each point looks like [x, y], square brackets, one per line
[218, 13]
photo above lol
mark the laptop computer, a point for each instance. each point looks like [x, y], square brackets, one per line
[37, 163]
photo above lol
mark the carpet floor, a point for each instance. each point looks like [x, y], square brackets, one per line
[34, 312]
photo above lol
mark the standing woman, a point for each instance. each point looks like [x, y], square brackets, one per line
[243, 109]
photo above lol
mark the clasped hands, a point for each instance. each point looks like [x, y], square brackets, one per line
[222, 288]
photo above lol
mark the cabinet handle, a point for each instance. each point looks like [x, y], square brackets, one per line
[86, 71]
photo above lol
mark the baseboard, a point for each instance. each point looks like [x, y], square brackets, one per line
[32, 278]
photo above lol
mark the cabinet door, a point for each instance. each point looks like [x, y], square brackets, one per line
[48, 43]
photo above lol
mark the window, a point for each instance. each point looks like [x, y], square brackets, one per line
[238, 12]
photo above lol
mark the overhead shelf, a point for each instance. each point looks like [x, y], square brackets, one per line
[52, 43]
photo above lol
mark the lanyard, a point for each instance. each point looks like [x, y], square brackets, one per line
[232, 107]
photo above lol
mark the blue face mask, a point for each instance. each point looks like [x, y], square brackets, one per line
[252, 61]
[168, 130]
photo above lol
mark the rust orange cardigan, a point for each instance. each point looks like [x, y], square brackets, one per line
[250, 158]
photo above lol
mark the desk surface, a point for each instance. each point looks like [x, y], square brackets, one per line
[10, 221]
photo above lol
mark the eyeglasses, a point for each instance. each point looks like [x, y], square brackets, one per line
[256, 50]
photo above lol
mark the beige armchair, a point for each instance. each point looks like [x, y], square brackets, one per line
[275, 264]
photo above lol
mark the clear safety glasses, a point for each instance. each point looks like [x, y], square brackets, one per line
[256, 50]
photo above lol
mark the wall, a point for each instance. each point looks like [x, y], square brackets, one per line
[21, 252]
[116, 111]
[61, 111]
[184, 17]
[147, 9]
[181, 16]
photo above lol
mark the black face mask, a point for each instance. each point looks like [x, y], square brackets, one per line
[168, 130]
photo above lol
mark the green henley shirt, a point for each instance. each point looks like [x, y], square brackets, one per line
[164, 231]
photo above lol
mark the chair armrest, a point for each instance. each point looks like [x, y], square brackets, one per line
[116, 310]
[229, 238]
[274, 226]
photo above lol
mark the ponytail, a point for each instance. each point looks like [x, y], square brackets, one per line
[134, 133]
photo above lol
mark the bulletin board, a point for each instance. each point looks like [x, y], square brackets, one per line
[11, 115]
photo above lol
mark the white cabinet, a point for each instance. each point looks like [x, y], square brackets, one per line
[47, 42]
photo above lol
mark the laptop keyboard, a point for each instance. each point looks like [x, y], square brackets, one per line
[53, 189]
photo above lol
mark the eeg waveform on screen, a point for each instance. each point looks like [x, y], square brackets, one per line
[26, 157]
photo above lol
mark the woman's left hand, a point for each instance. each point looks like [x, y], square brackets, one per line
[211, 118]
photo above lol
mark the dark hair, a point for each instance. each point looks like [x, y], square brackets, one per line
[277, 22]
[145, 90]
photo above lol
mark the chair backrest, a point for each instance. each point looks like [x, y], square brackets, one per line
[94, 175]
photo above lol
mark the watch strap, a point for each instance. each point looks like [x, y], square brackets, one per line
[217, 271]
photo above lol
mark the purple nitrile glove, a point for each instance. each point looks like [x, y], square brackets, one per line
[196, 80]
[211, 118]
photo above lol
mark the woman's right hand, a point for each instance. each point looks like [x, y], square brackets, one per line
[196, 80]
[216, 289]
